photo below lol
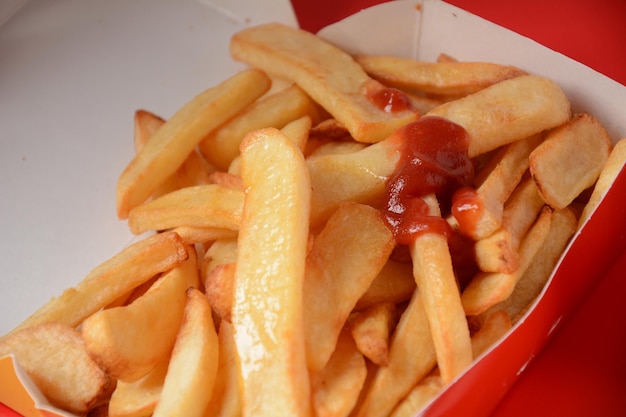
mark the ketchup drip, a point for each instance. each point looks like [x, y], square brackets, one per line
[390, 100]
[433, 160]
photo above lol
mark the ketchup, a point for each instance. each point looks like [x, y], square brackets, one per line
[466, 208]
[434, 160]
[390, 100]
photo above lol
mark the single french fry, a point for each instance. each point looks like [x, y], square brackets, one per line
[336, 148]
[113, 278]
[54, 357]
[146, 124]
[357, 176]
[222, 251]
[226, 396]
[489, 288]
[419, 396]
[481, 215]
[177, 138]
[297, 131]
[499, 251]
[194, 234]
[372, 329]
[219, 287]
[440, 78]
[328, 75]
[394, 283]
[272, 245]
[423, 104]
[193, 366]
[562, 228]
[210, 205]
[335, 388]
[570, 159]
[345, 258]
[496, 324]
[138, 398]
[227, 180]
[275, 110]
[129, 341]
[610, 171]
[330, 129]
[193, 171]
[435, 279]
[510, 110]
[411, 358]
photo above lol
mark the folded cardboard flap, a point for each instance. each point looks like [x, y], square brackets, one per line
[20, 393]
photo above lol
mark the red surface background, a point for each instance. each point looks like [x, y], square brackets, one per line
[582, 369]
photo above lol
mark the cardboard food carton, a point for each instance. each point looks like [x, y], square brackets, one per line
[84, 70]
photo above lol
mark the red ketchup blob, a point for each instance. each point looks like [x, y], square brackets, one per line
[390, 100]
[433, 160]
[466, 209]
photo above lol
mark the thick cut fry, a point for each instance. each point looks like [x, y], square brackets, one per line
[219, 287]
[177, 138]
[411, 357]
[226, 180]
[129, 341]
[267, 313]
[210, 205]
[483, 215]
[54, 357]
[226, 397]
[493, 328]
[139, 398]
[335, 388]
[499, 251]
[146, 125]
[275, 110]
[118, 276]
[419, 396]
[440, 78]
[358, 177]
[372, 329]
[194, 234]
[345, 258]
[193, 171]
[489, 288]
[394, 283]
[612, 167]
[298, 131]
[507, 111]
[530, 285]
[223, 251]
[193, 366]
[434, 276]
[328, 74]
[570, 160]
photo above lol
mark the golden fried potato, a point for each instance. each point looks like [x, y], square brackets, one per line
[570, 159]
[328, 75]
[54, 357]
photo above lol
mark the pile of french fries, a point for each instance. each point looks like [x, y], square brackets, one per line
[272, 285]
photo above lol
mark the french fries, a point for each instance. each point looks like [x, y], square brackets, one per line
[269, 332]
[327, 74]
[272, 279]
[129, 341]
[54, 356]
[176, 139]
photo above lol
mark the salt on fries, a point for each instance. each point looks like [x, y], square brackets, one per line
[353, 262]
